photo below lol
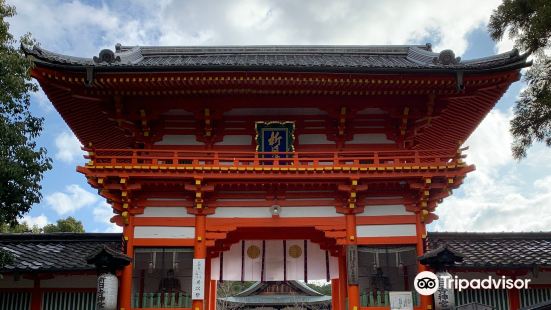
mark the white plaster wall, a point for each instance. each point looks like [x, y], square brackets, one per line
[264, 212]
[328, 211]
[164, 232]
[275, 111]
[236, 140]
[306, 139]
[178, 112]
[367, 111]
[385, 210]
[370, 138]
[242, 212]
[386, 230]
[179, 140]
[75, 281]
[165, 212]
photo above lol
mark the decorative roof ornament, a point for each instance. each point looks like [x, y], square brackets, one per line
[441, 258]
[446, 57]
[106, 258]
[108, 56]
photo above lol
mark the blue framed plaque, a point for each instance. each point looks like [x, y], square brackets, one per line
[275, 137]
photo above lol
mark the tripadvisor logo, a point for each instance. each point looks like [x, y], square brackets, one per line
[427, 283]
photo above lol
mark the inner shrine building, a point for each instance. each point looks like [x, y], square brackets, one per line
[273, 163]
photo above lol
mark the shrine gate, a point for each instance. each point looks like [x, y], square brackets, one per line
[273, 163]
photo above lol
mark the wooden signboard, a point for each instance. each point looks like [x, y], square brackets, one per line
[352, 264]
[198, 279]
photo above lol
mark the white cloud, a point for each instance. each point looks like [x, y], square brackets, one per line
[506, 44]
[83, 29]
[322, 22]
[40, 221]
[498, 195]
[502, 194]
[73, 199]
[68, 147]
[102, 214]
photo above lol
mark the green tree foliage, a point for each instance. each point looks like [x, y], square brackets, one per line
[69, 224]
[324, 288]
[19, 228]
[528, 23]
[22, 163]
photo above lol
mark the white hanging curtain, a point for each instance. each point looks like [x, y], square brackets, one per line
[274, 260]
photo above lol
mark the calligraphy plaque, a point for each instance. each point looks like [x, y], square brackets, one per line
[352, 264]
[275, 137]
[198, 279]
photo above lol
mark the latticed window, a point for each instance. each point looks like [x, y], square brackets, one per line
[162, 277]
[386, 269]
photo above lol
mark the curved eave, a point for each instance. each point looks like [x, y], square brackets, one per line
[518, 64]
[278, 300]
[7, 269]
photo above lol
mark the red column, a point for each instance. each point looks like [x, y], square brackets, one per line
[335, 303]
[36, 302]
[207, 283]
[125, 295]
[212, 294]
[421, 231]
[200, 250]
[514, 299]
[353, 289]
[342, 281]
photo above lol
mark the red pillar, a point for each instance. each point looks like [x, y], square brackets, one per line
[353, 289]
[342, 281]
[36, 301]
[200, 251]
[125, 295]
[212, 294]
[514, 299]
[207, 283]
[335, 303]
[421, 232]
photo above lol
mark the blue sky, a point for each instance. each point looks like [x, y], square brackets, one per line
[502, 195]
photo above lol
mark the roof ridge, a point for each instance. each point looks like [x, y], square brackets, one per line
[62, 236]
[490, 235]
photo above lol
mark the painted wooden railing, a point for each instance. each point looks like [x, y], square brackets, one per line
[533, 296]
[15, 300]
[498, 299]
[59, 300]
[161, 300]
[380, 299]
[134, 157]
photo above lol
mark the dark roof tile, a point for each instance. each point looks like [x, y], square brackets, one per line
[496, 250]
[278, 58]
[55, 252]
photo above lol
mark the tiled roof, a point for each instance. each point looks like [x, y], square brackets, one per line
[68, 251]
[496, 250]
[280, 58]
[54, 252]
[256, 295]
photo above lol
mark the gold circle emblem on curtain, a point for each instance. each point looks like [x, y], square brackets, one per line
[253, 252]
[295, 251]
